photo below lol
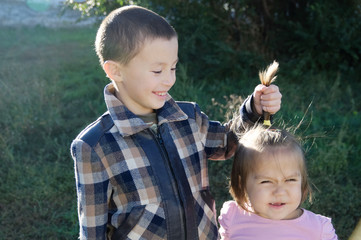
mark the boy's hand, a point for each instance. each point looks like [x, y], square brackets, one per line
[267, 99]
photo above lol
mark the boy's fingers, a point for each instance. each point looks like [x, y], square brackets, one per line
[267, 98]
[272, 88]
[271, 96]
[270, 103]
[271, 93]
[271, 109]
[271, 99]
[258, 91]
[271, 106]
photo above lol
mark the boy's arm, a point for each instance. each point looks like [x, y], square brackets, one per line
[219, 141]
[92, 186]
[247, 112]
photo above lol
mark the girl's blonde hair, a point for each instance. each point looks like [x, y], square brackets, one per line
[252, 144]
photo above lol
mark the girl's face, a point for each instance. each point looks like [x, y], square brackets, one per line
[274, 187]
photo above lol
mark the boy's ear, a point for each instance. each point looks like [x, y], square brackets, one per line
[112, 69]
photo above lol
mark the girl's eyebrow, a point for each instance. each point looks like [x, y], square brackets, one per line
[294, 175]
[261, 177]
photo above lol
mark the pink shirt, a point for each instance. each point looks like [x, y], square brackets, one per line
[237, 223]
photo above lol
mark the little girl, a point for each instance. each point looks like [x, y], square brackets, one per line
[269, 183]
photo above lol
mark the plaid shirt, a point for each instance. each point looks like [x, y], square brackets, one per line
[115, 178]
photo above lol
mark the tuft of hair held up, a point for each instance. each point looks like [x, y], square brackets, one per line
[268, 76]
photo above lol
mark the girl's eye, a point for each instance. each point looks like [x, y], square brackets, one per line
[291, 180]
[157, 72]
[173, 69]
[265, 181]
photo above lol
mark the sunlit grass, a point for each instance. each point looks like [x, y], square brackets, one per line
[38, 191]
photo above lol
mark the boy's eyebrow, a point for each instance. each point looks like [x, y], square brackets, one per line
[162, 63]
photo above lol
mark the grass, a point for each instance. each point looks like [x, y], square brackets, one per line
[40, 116]
[52, 88]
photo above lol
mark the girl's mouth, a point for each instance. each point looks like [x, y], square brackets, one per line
[277, 205]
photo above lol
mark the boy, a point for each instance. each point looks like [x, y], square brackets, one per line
[141, 168]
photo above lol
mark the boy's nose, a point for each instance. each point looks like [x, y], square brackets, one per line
[169, 79]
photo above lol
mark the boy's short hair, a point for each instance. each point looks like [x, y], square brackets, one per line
[253, 145]
[123, 32]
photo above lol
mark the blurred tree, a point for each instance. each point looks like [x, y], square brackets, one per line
[314, 34]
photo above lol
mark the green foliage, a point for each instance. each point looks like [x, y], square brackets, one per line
[100, 8]
[326, 36]
[232, 34]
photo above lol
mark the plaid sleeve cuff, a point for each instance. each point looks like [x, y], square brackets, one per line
[249, 113]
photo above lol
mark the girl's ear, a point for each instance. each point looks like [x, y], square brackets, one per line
[112, 69]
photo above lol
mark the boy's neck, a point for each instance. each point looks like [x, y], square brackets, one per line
[149, 118]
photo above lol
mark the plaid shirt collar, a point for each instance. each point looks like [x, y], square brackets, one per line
[128, 123]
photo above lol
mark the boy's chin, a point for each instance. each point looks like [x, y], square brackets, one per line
[158, 106]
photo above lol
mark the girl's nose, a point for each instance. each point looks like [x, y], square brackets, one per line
[279, 190]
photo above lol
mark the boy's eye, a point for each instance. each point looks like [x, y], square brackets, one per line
[173, 69]
[291, 180]
[157, 72]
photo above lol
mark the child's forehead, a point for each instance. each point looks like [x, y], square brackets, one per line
[149, 41]
[158, 44]
[281, 158]
[278, 151]
[157, 51]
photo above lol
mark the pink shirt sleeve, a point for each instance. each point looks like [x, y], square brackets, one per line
[225, 218]
[328, 231]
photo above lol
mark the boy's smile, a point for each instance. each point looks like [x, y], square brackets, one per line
[145, 81]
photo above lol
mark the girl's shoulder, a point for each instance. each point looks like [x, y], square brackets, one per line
[231, 210]
[229, 206]
[322, 222]
[314, 217]
[228, 218]
[228, 210]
